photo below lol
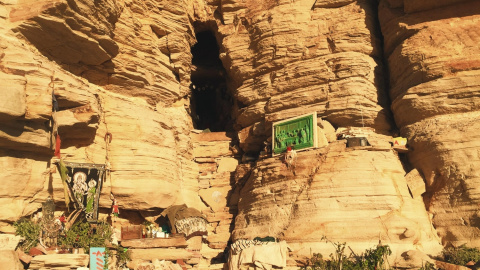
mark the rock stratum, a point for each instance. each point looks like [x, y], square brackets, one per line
[396, 67]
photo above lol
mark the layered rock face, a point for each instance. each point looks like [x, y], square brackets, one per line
[433, 56]
[358, 196]
[329, 61]
[47, 48]
[288, 59]
[123, 68]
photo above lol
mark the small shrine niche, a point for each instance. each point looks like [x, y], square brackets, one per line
[211, 102]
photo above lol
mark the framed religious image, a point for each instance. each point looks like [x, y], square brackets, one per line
[85, 183]
[298, 133]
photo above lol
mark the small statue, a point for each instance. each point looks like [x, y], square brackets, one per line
[290, 157]
[115, 211]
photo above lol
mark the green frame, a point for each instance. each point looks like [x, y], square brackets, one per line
[299, 132]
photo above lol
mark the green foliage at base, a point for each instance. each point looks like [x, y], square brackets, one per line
[123, 255]
[82, 235]
[372, 259]
[375, 258]
[461, 255]
[28, 230]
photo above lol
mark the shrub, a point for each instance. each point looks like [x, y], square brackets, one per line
[82, 235]
[30, 231]
[375, 258]
[372, 259]
[316, 262]
[461, 255]
[122, 254]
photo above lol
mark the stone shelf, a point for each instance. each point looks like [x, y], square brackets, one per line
[178, 242]
[59, 261]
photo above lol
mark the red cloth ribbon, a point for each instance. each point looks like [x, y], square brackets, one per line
[57, 146]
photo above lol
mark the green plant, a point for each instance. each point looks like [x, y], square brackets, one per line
[316, 262]
[123, 255]
[428, 266]
[101, 234]
[76, 236]
[375, 258]
[372, 259]
[30, 231]
[336, 262]
[82, 235]
[461, 255]
[339, 258]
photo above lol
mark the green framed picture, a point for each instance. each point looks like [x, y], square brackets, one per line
[300, 133]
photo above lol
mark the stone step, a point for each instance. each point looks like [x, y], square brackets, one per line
[207, 167]
[178, 242]
[218, 216]
[59, 261]
[211, 136]
[211, 149]
[168, 254]
[218, 245]
[219, 237]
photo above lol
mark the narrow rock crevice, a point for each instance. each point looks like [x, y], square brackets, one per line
[385, 71]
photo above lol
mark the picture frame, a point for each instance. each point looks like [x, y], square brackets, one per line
[299, 132]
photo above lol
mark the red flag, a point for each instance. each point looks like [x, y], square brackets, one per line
[57, 146]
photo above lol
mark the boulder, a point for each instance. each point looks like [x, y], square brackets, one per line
[9, 260]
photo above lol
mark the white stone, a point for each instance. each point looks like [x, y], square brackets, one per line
[415, 183]
[322, 139]
[9, 241]
[328, 129]
[227, 164]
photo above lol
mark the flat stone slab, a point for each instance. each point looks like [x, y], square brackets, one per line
[59, 261]
[178, 242]
[211, 136]
[211, 149]
[218, 216]
[168, 254]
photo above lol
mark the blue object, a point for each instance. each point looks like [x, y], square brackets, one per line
[97, 258]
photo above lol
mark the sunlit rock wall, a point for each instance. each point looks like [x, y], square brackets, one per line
[323, 56]
[434, 62]
[114, 67]
[286, 59]
[123, 67]
[342, 194]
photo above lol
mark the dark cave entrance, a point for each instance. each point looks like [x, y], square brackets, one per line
[211, 102]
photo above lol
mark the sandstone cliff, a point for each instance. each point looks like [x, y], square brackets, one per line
[399, 67]
[72, 49]
[433, 57]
